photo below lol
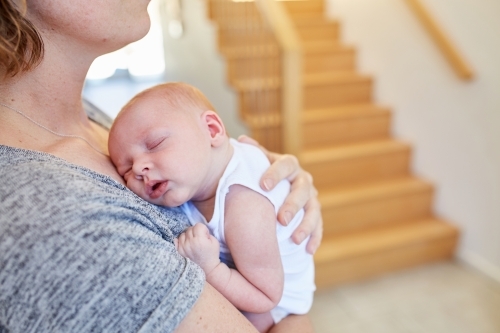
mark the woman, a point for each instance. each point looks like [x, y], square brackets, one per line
[79, 251]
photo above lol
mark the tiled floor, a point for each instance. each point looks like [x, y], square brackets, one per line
[440, 298]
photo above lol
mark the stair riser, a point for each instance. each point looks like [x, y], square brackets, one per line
[259, 102]
[375, 213]
[298, 17]
[351, 269]
[320, 63]
[334, 132]
[248, 68]
[270, 135]
[330, 174]
[226, 11]
[259, 67]
[324, 133]
[243, 40]
[301, 7]
[328, 32]
[329, 95]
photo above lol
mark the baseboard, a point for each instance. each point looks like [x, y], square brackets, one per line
[479, 263]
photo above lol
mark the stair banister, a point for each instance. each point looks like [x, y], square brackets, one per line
[281, 24]
[460, 66]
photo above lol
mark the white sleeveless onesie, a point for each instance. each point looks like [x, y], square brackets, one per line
[245, 168]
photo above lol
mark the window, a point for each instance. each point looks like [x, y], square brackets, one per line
[142, 59]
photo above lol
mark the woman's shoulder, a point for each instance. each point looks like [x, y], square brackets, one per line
[86, 248]
[62, 186]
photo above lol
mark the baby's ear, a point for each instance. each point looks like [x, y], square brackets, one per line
[215, 128]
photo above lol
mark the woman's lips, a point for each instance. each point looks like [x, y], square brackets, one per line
[156, 189]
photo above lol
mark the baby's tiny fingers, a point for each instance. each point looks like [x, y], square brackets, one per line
[200, 230]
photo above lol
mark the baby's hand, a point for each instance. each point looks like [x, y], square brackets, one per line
[197, 244]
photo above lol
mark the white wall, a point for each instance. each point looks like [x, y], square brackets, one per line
[195, 59]
[454, 126]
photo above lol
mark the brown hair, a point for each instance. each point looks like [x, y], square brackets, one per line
[21, 46]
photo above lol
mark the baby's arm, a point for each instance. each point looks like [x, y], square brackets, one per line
[250, 231]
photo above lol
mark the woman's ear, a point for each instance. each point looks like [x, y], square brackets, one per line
[215, 128]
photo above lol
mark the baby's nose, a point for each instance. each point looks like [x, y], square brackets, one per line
[140, 169]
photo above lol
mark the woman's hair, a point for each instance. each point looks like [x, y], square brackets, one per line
[21, 46]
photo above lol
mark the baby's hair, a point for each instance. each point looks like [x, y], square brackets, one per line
[177, 96]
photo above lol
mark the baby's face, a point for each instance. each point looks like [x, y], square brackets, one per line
[163, 155]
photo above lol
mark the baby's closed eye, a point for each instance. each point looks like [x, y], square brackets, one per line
[155, 143]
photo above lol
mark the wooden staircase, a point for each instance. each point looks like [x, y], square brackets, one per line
[377, 215]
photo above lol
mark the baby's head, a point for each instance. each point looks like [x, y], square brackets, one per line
[165, 144]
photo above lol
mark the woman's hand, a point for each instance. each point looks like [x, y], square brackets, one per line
[303, 194]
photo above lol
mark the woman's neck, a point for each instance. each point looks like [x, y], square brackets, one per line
[50, 95]
[51, 92]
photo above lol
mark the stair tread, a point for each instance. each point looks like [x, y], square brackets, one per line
[334, 77]
[344, 112]
[250, 51]
[352, 150]
[326, 114]
[304, 6]
[310, 48]
[325, 46]
[341, 247]
[310, 79]
[314, 22]
[346, 195]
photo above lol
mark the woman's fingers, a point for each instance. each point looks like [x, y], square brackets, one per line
[312, 224]
[282, 167]
[249, 140]
[301, 192]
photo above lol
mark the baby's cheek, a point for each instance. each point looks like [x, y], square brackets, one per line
[136, 188]
[174, 197]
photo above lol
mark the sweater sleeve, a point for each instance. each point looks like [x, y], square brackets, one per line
[80, 254]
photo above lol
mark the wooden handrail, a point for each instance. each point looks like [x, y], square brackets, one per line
[277, 18]
[462, 69]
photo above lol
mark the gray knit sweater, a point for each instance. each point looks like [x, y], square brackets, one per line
[79, 252]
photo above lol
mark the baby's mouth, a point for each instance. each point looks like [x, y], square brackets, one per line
[155, 189]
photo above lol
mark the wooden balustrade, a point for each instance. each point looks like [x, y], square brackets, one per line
[291, 83]
[265, 66]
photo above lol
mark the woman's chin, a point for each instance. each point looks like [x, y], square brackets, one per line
[138, 32]
[141, 30]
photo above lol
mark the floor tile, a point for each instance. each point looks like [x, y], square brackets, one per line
[444, 297]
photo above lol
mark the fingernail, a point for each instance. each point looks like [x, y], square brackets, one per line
[301, 236]
[288, 217]
[311, 249]
[268, 184]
